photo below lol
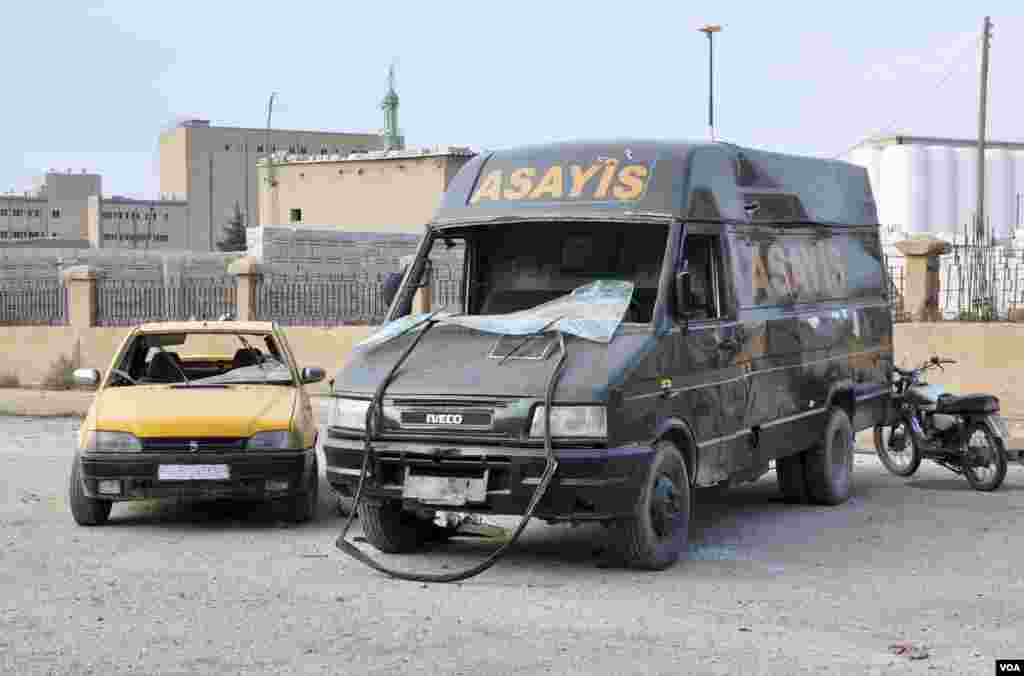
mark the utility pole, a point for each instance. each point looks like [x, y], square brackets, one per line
[986, 35]
[710, 31]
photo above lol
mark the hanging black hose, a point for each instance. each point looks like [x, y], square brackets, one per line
[538, 494]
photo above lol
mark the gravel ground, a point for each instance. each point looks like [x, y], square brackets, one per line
[184, 588]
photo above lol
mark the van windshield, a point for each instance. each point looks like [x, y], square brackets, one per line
[515, 267]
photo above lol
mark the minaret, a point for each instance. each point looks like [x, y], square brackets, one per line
[390, 107]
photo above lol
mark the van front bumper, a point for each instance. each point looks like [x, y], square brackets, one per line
[590, 484]
[251, 475]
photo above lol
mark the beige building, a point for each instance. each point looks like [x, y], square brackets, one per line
[394, 191]
[212, 168]
[121, 223]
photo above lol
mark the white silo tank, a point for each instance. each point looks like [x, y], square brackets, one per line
[1018, 190]
[942, 191]
[996, 190]
[967, 179]
[896, 185]
[920, 189]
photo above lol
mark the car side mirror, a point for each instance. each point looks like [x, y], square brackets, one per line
[86, 377]
[312, 374]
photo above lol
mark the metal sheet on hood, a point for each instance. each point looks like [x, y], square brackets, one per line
[593, 312]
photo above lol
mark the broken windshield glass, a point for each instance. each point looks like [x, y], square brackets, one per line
[268, 371]
[593, 312]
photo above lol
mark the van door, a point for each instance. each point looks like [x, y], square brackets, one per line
[709, 378]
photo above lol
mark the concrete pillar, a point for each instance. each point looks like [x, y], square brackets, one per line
[80, 281]
[921, 276]
[247, 272]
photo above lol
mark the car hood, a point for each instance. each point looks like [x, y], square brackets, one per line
[166, 411]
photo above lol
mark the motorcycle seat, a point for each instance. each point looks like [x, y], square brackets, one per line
[968, 403]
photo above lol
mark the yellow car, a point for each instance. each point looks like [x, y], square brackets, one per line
[198, 409]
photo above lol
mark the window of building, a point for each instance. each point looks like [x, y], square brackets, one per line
[295, 215]
[227, 146]
[291, 149]
[259, 148]
[16, 212]
[3, 212]
[302, 150]
[167, 217]
[3, 235]
[55, 213]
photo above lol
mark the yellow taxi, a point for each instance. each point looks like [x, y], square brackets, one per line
[198, 409]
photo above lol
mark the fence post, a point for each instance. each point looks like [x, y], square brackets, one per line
[921, 276]
[246, 271]
[80, 281]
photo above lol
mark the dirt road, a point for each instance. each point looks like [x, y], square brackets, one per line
[169, 588]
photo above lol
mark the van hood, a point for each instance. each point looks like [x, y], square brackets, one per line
[166, 411]
[465, 354]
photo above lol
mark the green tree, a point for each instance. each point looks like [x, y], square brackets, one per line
[234, 232]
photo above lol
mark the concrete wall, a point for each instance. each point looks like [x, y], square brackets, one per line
[990, 356]
[393, 194]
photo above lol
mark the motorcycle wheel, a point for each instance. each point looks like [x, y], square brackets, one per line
[902, 458]
[984, 459]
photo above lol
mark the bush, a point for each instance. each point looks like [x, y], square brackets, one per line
[61, 374]
[9, 380]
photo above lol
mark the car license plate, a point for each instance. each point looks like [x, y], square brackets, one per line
[193, 472]
[444, 490]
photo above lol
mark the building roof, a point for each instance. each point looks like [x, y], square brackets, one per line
[900, 140]
[205, 124]
[644, 180]
[374, 155]
[207, 326]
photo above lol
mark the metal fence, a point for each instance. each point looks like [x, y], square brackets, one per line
[25, 302]
[305, 300]
[121, 302]
[981, 283]
[896, 271]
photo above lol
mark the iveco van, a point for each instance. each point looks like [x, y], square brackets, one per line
[626, 321]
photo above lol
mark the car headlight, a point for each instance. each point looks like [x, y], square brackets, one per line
[349, 413]
[115, 442]
[272, 440]
[571, 421]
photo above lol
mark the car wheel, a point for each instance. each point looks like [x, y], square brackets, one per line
[657, 533]
[303, 507]
[86, 511]
[828, 467]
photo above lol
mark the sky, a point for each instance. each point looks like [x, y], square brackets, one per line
[90, 85]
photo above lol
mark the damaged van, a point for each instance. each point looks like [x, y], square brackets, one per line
[625, 321]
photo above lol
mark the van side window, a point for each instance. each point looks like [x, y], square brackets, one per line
[704, 264]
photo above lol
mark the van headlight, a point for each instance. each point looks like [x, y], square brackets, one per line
[113, 442]
[350, 413]
[571, 421]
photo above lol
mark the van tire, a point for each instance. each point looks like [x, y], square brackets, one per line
[392, 529]
[828, 466]
[789, 472]
[85, 510]
[658, 531]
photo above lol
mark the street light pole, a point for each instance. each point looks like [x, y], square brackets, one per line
[710, 31]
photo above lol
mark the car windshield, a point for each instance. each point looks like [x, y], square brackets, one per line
[203, 359]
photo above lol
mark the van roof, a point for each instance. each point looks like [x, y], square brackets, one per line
[662, 180]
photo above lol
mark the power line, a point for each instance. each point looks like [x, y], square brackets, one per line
[939, 84]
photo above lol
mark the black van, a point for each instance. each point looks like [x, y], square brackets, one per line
[755, 328]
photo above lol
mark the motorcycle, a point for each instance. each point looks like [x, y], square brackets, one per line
[964, 434]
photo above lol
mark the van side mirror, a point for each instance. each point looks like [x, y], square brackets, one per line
[682, 293]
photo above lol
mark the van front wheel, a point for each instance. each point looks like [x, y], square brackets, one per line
[657, 532]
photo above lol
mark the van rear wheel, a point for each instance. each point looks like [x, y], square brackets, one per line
[828, 467]
[657, 532]
[789, 472]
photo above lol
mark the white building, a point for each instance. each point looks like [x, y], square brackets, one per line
[930, 185]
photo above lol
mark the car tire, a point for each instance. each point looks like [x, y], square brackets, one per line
[828, 466]
[392, 529]
[303, 507]
[657, 533]
[789, 473]
[85, 510]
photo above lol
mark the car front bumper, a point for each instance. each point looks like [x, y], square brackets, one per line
[591, 483]
[138, 474]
